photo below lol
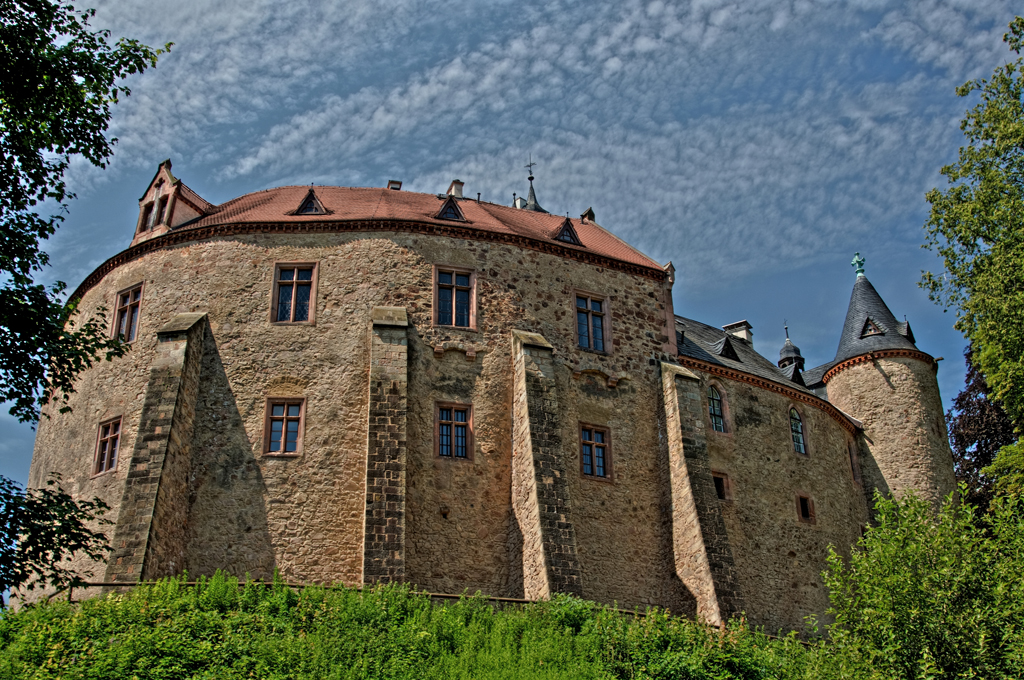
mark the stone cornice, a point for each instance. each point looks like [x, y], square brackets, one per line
[763, 383]
[880, 354]
[187, 235]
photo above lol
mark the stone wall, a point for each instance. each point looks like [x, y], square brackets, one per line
[779, 559]
[904, 445]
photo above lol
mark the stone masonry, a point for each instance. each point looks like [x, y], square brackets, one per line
[384, 533]
[150, 533]
[540, 494]
[703, 556]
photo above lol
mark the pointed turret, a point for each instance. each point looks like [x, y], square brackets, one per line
[870, 326]
[531, 199]
[880, 377]
[790, 354]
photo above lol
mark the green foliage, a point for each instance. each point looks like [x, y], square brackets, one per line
[42, 528]
[1008, 469]
[932, 597]
[223, 629]
[977, 226]
[58, 80]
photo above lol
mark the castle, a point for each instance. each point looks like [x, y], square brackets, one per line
[357, 385]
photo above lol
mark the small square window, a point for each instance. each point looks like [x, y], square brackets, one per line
[126, 316]
[453, 431]
[595, 452]
[723, 489]
[454, 297]
[284, 427]
[294, 297]
[107, 444]
[592, 322]
[805, 509]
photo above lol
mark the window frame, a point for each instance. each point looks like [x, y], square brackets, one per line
[299, 443]
[606, 314]
[813, 518]
[803, 431]
[726, 428]
[439, 269]
[96, 472]
[145, 216]
[115, 330]
[726, 486]
[275, 292]
[609, 469]
[470, 440]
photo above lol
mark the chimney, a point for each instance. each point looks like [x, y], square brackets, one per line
[455, 188]
[394, 184]
[740, 329]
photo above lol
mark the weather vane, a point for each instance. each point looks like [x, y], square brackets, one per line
[529, 166]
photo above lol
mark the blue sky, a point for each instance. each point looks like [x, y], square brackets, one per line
[756, 144]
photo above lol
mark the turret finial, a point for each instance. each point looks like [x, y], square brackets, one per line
[858, 264]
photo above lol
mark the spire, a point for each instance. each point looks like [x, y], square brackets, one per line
[531, 198]
[870, 326]
[790, 354]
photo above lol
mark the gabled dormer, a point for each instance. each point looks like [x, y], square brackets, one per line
[871, 328]
[166, 205]
[567, 234]
[310, 205]
[724, 348]
[451, 211]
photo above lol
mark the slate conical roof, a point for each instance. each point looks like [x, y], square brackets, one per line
[884, 331]
[531, 200]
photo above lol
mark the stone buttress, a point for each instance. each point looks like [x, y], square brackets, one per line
[540, 492]
[384, 523]
[150, 532]
[703, 556]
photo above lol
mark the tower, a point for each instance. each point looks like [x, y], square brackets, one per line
[880, 377]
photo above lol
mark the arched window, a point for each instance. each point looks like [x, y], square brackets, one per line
[715, 409]
[796, 427]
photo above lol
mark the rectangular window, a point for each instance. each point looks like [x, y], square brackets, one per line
[722, 487]
[453, 430]
[294, 299]
[106, 446]
[161, 212]
[595, 452]
[284, 425]
[805, 509]
[126, 316]
[455, 297]
[147, 215]
[591, 322]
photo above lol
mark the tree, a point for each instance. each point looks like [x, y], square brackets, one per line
[42, 529]
[932, 597]
[58, 80]
[977, 227]
[978, 428]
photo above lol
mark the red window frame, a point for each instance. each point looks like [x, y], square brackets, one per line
[108, 446]
[286, 411]
[447, 426]
[127, 313]
[595, 446]
[293, 295]
[584, 320]
[446, 311]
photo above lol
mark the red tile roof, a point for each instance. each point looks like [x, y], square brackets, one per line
[351, 204]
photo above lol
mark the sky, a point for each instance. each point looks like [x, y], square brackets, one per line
[756, 144]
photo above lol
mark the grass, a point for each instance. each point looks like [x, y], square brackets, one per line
[223, 629]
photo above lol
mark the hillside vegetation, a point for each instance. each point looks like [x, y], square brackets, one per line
[920, 597]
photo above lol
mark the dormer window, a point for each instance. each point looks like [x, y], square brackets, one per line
[870, 328]
[451, 211]
[161, 213]
[567, 234]
[310, 205]
[147, 215]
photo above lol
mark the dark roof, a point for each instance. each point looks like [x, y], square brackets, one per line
[789, 351]
[531, 201]
[704, 342]
[812, 376]
[866, 304]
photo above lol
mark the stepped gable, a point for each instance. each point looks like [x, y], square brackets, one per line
[346, 204]
[867, 305]
[701, 340]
